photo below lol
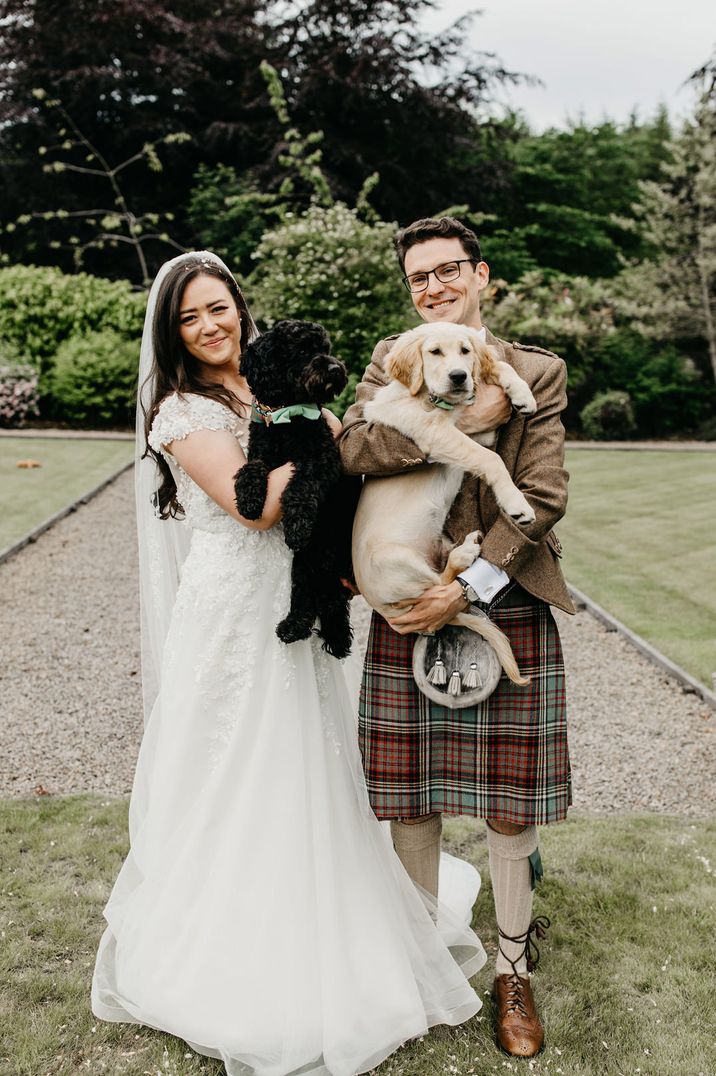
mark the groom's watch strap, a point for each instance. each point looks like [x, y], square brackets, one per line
[468, 591]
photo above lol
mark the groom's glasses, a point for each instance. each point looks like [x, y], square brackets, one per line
[444, 273]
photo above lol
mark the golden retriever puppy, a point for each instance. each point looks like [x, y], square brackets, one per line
[398, 545]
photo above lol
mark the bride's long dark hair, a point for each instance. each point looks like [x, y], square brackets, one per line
[176, 370]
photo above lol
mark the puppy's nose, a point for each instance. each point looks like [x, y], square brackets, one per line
[333, 365]
[458, 377]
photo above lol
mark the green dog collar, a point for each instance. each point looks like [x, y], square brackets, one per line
[448, 405]
[280, 415]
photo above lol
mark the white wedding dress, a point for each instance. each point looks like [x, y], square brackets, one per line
[262, 914]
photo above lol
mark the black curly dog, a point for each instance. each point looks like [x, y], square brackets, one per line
[292, 364]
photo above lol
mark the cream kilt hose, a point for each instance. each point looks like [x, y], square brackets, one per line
[506, 758]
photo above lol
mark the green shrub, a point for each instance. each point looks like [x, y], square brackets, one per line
[329, 265]
[609, 416]
[94, 380]
[41, 307]
[669, 393]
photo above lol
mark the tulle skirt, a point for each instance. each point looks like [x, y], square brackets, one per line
[261, 914]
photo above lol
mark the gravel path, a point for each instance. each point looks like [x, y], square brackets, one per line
[70, 701]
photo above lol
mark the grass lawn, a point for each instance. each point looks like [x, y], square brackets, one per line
[69, 469]
[625, 985]
[640, 539]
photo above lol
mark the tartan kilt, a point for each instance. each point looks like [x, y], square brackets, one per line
[506, 758]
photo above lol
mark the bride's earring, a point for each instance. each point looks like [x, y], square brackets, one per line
[437, 674]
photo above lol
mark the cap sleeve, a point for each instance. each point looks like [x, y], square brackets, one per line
[180, 415]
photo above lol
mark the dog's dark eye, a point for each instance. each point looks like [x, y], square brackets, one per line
[464, 350]
[435, 351]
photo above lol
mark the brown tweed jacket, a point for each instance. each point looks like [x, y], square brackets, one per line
[532, 449]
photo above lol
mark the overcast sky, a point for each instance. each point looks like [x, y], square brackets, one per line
[600, 59]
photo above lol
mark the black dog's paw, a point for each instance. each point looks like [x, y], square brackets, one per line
[336, 632]
[293, 628]
[250, 487]
[298, 528]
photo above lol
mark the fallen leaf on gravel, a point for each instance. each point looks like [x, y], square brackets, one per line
[40, 790]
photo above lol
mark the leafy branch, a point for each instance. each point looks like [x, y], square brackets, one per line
[114, 224]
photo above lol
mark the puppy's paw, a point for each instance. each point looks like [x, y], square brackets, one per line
[522, 399]
[463, 555]
[518, 508]
[472, 542]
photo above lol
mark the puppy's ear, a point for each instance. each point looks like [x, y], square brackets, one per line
[405, 361]
[484, 369]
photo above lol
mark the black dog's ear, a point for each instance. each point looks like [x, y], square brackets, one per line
[249, 361]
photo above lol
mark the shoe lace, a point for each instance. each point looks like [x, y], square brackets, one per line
[515, 1001]
[539, 926]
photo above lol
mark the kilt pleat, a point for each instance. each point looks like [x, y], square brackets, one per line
[506, 758]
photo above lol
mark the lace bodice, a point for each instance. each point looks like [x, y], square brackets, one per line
[179, 415]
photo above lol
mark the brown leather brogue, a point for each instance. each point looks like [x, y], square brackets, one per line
[519, 1031]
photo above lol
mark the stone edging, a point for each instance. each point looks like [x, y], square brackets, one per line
[643, 446]
[68, 435]
[35, 533]
[688, 682]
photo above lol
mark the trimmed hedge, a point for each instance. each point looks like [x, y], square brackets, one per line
[94, 380]
[609, 416]
[41, 307]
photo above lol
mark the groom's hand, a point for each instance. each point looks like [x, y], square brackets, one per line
[490, 410]
[431, 611]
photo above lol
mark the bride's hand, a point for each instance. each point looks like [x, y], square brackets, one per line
[335, 425]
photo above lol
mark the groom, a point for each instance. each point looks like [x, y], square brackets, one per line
[506, 759]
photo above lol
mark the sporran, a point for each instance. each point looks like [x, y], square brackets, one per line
[456, 667]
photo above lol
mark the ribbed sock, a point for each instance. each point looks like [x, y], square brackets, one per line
[512, 890]
[418, 848]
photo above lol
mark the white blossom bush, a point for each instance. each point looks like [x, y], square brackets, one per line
[331, 266]
[19, 393]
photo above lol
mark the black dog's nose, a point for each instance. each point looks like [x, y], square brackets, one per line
[458, 377]
[333, 365]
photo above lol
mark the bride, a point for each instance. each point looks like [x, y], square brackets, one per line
[261, 914]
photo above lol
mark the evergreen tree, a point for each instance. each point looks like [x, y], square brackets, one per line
[672, 294]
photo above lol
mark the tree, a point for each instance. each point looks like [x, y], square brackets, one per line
[130, 72]
[672, 293]
[102, 226]
[416, 108]
[568, 208]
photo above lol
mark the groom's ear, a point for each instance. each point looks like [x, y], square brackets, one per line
[404, 362]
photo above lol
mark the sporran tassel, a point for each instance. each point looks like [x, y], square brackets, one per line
[438, 673]
[472, 677]
[455, 685]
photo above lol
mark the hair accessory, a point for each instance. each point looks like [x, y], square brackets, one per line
[438, 674]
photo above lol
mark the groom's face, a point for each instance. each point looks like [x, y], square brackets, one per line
[457, 300]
